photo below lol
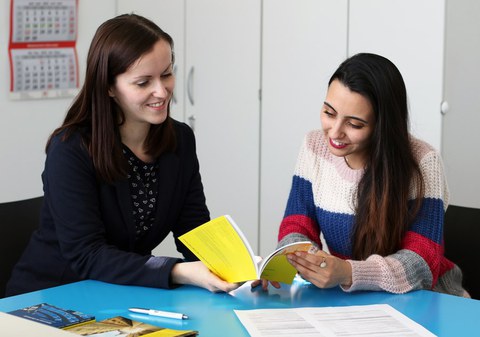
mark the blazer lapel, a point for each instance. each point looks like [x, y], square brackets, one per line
[124, 199]
[168, 168]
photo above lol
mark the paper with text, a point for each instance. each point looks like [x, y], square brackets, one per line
[367, 320]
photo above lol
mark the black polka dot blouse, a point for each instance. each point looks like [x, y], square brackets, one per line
[144, 191]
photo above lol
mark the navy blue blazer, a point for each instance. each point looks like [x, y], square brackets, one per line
[86, 227]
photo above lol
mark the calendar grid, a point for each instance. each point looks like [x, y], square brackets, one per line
[42, 48]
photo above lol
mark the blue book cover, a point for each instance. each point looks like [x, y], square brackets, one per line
[53, 316]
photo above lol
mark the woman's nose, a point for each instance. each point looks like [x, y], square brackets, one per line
[336, 130]
[160, 90]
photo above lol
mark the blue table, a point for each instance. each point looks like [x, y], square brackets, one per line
[212, 313]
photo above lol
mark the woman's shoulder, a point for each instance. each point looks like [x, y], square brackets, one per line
[66, 138]
[183, 132]
[315, 142]
[422, 150]
[181, 127]
[185, 138]
[431, 167]
[67, 143]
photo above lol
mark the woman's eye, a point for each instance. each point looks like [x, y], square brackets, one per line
[166, 75]
[142, 84]
[328, 113]
[355, 126]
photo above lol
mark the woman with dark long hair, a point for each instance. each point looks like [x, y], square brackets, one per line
[120, 174]
[376, 193]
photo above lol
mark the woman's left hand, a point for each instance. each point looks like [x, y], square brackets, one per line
[197, 274]
[322, 269]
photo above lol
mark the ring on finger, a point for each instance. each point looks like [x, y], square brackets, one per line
[323, 264]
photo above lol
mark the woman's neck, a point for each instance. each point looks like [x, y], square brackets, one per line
[354, 162]
[134, 139]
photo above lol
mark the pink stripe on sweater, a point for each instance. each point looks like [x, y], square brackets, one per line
[300, 224]
[430, 251]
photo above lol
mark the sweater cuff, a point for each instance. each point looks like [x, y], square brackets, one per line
[365, 276]
[164, 266]
[379, 274]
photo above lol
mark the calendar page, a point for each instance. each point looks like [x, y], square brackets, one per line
[43, 58]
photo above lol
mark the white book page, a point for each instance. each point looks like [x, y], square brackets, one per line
[244, 240]
[367, 320]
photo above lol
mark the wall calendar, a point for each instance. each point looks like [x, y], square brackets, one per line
[42, 49]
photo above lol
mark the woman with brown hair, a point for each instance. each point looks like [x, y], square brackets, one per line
[376, 193]
[120, 174]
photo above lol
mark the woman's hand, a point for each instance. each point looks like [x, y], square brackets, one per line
[195, 273]
[322, 269]
[264, 284]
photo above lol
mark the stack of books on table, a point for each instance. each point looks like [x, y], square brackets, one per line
[46, 320]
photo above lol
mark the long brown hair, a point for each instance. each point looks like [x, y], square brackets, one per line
[117, 44]
[384, 208]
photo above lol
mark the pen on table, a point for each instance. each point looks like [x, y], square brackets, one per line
[159, 313]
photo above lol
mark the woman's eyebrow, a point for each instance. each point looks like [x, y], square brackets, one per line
[168, 68]
[358, 119]
[330, 106]
[349, 117]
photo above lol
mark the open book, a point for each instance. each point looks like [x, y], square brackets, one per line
[222, 247]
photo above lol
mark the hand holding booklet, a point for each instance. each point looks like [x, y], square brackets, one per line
[224, 249]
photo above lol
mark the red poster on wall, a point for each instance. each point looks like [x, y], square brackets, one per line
[42, 49]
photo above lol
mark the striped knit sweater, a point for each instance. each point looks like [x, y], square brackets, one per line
[322, 200]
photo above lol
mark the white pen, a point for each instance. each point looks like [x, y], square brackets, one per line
[159, 313]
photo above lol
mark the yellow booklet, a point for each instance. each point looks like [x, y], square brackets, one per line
[222, 247]
[127, 327]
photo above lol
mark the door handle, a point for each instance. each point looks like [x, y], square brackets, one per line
[191, 121]
[174, 97]
[190, 85]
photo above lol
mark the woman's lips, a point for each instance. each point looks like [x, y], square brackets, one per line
[337, 144]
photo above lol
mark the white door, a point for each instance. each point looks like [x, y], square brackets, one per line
[410, 33]
[460, 125]
[223, 81]
[302, 46]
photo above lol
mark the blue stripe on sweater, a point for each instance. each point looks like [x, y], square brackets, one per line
[300, 200]
[337, 230]
[337, 227]
[428, 220]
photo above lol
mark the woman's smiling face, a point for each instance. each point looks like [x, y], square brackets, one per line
[348, 122]
[144, 91]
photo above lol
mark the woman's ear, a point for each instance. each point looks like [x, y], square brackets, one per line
[111, 93]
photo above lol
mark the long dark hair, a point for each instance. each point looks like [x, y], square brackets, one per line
[117, 44]
[383, 208]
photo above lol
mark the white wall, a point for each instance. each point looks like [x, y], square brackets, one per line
[410, 33]
[26, 125]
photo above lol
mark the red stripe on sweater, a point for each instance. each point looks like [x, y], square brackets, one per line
[300, 224]
[430, 251]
